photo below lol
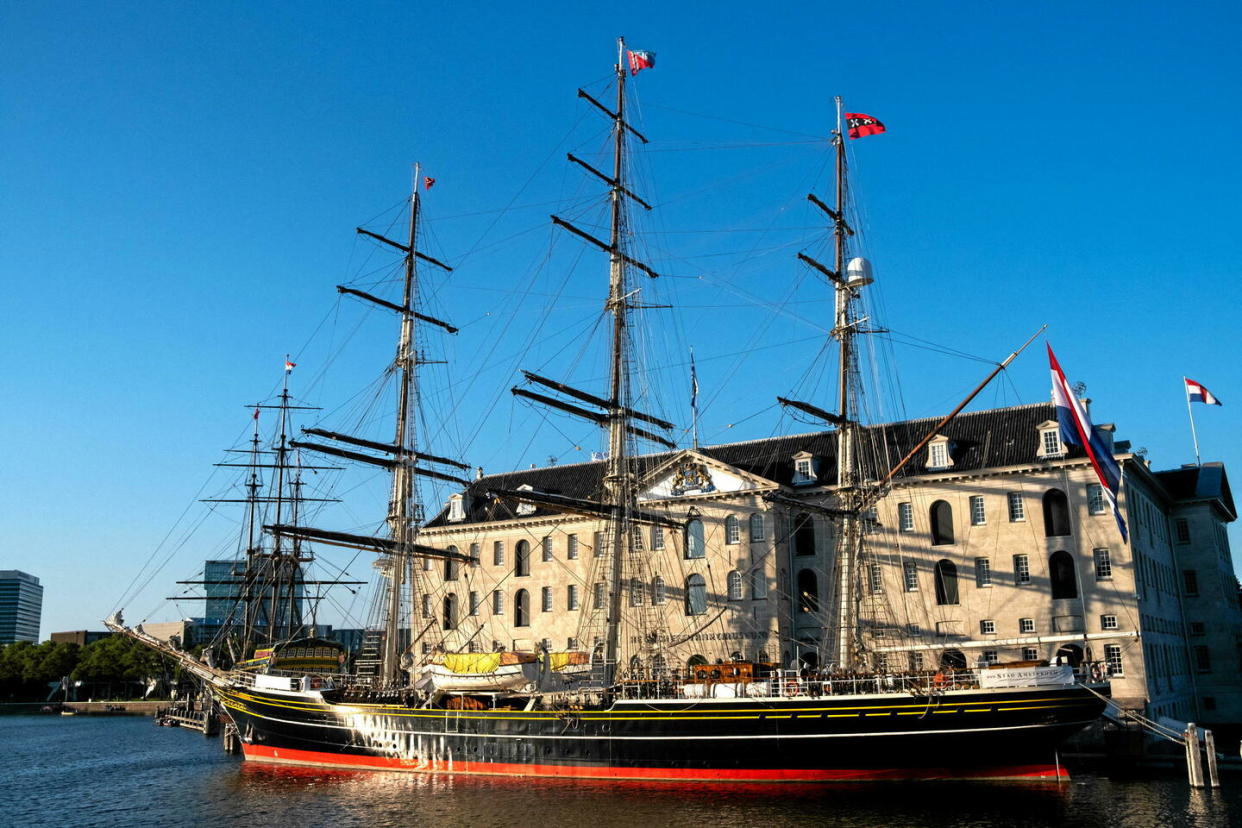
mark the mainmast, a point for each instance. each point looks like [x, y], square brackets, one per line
[403, 507]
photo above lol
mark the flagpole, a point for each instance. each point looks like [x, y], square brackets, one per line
[1190, 413]
[694, 402]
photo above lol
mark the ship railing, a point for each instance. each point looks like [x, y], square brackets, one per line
[801, 683]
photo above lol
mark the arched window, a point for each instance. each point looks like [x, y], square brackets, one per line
[695, 548]
[808, 591]
[735, 586]
[637, 588]
[657, 591]
[1061, 573]
[696, 595]
[695, 660]
[756, 527]
[521, 608]
[733, 532]
[941, 523]
[804, 534]
[946, 582]
[450, 567]
[953, 659]
[450, 611]
[521, 559]
[1056, 514]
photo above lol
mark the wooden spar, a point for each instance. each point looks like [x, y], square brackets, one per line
[835, 215]
[614, 116]
[832, 275]
[574, 505]
[378, 446]
[593, 416]
[368, 542]
[398, 308]
[607, 248]
[594, 400]
[948, 417]
[404, 249]
[382, 462]
[606, 179]
[813, 410]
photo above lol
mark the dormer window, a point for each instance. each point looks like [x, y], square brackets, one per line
[525, 507]
[938, 456]
[804, 468]
[457, 508]
[1050, 444]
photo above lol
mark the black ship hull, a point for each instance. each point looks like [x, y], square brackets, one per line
[1011, 734]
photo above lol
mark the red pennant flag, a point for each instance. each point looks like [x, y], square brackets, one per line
[861, 125]
[289, 366]
[428, 182]
[640, 60]
[256, 413]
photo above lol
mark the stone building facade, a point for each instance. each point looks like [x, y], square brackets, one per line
[995, 545]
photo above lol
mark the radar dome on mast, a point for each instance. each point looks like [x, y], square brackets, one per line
[858, 272]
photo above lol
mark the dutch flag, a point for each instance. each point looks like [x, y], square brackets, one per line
[1197, 393]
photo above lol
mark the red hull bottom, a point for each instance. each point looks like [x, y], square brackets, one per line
[307, 758]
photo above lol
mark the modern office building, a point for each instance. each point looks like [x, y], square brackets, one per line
[21, 606]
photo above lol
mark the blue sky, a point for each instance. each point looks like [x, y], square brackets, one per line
[182, 180]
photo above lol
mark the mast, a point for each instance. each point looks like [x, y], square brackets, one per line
[617, 484]
[403, 511]
[843, 332]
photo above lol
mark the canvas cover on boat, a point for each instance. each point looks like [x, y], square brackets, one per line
[484, 662]
[559, 661]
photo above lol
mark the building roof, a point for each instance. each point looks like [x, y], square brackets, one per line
[1205, 482]
[977, 440]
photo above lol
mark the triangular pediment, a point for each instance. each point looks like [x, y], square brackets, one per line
[691, 474]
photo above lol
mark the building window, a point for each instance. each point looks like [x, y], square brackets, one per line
[991, 656]
[636, 538]
[804, 534]
[521, 608]
[450, 611]
[571, 548]
[547, 548]
[451, 564]
[599, 545]
[1095, 499]
[1026, 625]
[1017, 510]
[474, 602]
[1056, 514]
[571, 599]
[426, 605]
[978, 515]
[1050, 443]
[916, 661]
[905, 517]
[1061, 573]
[457, 509]
[804, 471]
[983, 572]
[875, 578]
[946, 582]
[1030, 654]
[735, 586]
[1190, 582]
[1103, 564]
[1022, 569]
[657, 538]
[658, 595]
[1182, 529]
[756, 527]
[1209, 702]
[1108, 622]
[938, 455]
[1203, 659]
[913, 630]
[637, 592]
[941, 515]
[428, 564]
[498, 603]
[758, 576]
[498, 553]
[695, 547]
[808, 591]
[524, 507]
[696, 595]
[733, 532]
[597, 596]
[546, 599]
[521, 559]
[1198, 628]
[987, 627]
[910, 576]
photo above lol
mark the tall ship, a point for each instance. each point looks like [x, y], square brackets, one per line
[709, 613]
